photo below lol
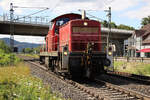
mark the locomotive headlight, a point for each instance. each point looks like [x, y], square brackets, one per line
[65, 53]
[85, 23]
[109, 53]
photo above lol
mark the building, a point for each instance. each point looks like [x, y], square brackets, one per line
[139, 41]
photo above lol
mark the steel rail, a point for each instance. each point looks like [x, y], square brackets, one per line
[134, 77]
[124, 90]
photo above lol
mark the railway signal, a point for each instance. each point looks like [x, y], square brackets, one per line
[111, 49]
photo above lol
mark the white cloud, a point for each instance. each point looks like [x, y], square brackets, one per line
[57, 5]
[5, 4]
[29, 39]
[141, 12]
[64, 6]
[120, 5]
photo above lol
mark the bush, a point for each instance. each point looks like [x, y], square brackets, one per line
[5, 59]
[17, 84]
[4, 47]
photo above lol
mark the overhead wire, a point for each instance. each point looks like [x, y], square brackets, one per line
[95, 17]
[105, 4]
[32, 14]
[30, 7]
[100, 19]
[55, 5]
[43, 9]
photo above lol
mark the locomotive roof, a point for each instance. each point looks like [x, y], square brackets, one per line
[69, 15]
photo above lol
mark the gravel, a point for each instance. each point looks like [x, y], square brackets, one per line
[58, 86]
[142, 88]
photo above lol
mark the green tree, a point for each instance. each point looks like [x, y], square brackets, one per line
[113, 25]
[31, 50]
[145, 21]
[37, 49]
[121, 26]
[4, 47]
[28, 50]
[104, 23]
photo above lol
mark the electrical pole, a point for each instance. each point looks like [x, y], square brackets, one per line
[110, 57]
[11, 32]
[109, 26]
[12, 26]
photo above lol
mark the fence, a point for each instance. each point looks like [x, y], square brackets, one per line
[26, 19]
[132, 59]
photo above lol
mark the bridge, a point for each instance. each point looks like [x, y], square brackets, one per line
[38, 26]
[32, 26]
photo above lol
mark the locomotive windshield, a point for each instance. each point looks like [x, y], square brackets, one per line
[62, 21]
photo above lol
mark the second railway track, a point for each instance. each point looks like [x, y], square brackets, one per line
[133, 77]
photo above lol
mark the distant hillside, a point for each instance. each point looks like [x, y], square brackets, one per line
[20, 45]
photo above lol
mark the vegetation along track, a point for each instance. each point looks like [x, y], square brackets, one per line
[97, 90]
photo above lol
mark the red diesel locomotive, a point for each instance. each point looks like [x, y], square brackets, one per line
[73, 47]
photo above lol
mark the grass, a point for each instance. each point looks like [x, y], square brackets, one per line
[6, 59]
[138, 68]
[31, 55]
[16, 83]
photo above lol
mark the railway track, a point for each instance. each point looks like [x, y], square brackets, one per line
[98, 89]
[133, 77]
[121, 93]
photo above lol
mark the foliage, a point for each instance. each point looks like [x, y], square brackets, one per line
[5, 59]
[4, 47]
[145, 21]
[104, 23]
[121, 26]
[28, 50]
[6, 55]
[17, 84]
[133, 67]
[31, 55]
[31, 50]
[113, 25]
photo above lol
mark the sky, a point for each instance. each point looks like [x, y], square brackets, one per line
[128, 12]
